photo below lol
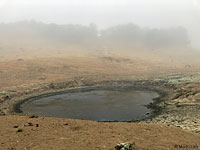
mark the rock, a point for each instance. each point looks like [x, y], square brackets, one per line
[19, 130]
[37, 125]
[12, 90]
[33, 116]
[125, 146]
[7, 97]
[4, 93]
[51, 86]
[15, 126]
[42, 78]
[27, 91]
[178, 105]
[197, 97]
[28, 124]
[20, 59]
[2, 113]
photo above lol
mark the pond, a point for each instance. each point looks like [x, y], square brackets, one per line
[98, 105]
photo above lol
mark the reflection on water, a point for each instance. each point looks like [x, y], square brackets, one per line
[99, 105]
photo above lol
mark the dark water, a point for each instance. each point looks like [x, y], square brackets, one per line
[99, 105]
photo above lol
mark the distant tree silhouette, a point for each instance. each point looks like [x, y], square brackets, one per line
[120, 35]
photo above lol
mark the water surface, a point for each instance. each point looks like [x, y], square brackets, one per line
[99, 105]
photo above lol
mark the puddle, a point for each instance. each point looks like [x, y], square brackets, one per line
[98, 105]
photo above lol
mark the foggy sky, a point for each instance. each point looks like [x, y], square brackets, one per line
[105, 13]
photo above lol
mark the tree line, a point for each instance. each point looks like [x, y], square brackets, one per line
[119, 35]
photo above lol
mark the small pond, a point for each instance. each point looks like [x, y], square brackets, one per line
[98, 105]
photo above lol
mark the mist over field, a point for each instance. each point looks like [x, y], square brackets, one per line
[160, 30]
[154, 14]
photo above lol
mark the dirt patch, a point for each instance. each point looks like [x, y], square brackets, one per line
[57, 133]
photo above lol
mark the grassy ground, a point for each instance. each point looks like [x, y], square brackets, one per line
[26, 74]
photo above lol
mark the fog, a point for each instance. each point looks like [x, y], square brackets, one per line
[129, 36]
[107, 13]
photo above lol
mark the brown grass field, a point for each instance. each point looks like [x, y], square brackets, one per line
[28, 71]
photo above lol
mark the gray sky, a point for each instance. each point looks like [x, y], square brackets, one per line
[105, 13]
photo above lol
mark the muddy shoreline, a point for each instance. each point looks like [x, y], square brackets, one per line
[14, 106]
[152, 106]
